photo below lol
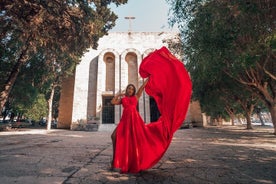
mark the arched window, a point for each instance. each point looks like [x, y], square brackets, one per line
[109, 59]
[131, 59]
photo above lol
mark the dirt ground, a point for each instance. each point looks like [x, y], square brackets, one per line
[226, 154]
[214, 154]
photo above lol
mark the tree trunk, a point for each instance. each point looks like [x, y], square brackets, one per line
[272, 111]
[232, 117]
[220, 120]
[248, 121]
[263, 93]
[231, 113]
[248, 114]
[261, 118]
[12, 78]
[50, 104]
[9, 84]
[248, 109]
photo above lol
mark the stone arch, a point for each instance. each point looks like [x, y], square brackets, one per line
[147, 52]
[92, 89]
[108, 64]
[109, 59]
[131, 58]
[108, 82]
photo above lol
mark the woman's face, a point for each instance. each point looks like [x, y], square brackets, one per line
[130, 91]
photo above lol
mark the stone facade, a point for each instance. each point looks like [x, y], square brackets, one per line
[104, 72]
[66, 103]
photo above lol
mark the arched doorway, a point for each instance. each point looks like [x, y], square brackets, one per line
[108, 110]
[107, 107]
[154, 111]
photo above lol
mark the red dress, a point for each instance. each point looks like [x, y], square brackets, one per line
[140, 146]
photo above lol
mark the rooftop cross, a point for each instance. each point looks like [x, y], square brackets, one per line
[129, 19]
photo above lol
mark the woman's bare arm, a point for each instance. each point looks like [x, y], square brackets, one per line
[116, 100]
[140, 90]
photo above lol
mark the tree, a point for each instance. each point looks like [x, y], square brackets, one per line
[235, 37]
[56, 71]
[62, 26]
[38, 108]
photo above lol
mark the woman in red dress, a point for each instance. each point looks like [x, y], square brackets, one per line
[138, 146]
[130, 115]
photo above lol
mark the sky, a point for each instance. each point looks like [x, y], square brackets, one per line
[150, 16]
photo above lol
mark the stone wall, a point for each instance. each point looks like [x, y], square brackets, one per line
[105, 71]
[66, 103]
[195, 114]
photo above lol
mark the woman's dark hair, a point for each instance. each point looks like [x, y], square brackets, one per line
[133, 88]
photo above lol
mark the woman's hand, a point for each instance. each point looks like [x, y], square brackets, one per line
[116, 100]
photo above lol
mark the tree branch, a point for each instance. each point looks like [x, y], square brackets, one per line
[266, 71]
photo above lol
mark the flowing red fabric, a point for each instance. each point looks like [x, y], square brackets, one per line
[140, 146]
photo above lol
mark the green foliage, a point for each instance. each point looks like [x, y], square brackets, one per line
[38, 109]
[45, 39]
[229, 47]
[22, 96]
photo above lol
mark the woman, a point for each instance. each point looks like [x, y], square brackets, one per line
[139, 146]
[129, 100]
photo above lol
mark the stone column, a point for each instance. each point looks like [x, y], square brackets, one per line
[66, 102]
[100, 85]
[117, 86]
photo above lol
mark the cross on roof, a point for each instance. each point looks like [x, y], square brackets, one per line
[129, 18]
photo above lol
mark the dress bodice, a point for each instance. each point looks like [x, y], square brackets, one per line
[129, 102]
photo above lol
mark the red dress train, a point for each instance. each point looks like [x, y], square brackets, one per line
[140, 146]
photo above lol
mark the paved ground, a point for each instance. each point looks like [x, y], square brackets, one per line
[199, 155]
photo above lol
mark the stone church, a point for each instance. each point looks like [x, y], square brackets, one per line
[85, 96]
